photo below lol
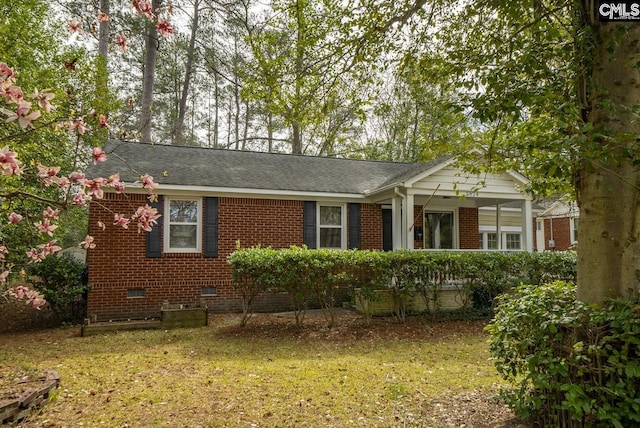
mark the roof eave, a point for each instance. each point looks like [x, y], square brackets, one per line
[235, 191]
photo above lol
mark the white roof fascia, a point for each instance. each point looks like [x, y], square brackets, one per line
[239, 192]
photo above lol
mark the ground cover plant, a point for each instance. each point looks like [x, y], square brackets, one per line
[267, 374]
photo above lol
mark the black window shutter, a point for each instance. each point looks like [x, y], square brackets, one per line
[309, 224]
[211, 227]
[154, 238]
[354, 226]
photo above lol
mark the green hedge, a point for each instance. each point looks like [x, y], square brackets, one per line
[569, 364]
[317, 274]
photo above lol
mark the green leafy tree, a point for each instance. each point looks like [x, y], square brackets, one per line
[299, 72]
[554, 92]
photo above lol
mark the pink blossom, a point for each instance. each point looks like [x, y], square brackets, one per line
[9, 165]
[32, 297]
[4, 275]
[35, 256]
[36, 300]
[51, 213]
[48, 174]
[14, 94]
[15, 218]
[87, 243]
[6, 72]
[22, 114]
[80, 126]
[146, 218]
[98, 155]
[103, 17]
[47, 171]
[80, 199]
[49, 248]
[103, 122]
[122, 42]
[45, 226]
[76, 176]
[3, 251]
[114, 181]
[164, 28]
[101, 225]
[64, 182]
[94, 187]
[148, 183]
[75, 26]
[143, 8]
[120, 220]
[44, 98]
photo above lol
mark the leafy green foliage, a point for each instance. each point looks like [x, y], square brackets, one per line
[570, 364]
[306, 274]
[63, 281]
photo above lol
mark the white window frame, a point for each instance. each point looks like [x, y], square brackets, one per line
[504, 231]
[572, 226]
[167, 226]
[342, 227]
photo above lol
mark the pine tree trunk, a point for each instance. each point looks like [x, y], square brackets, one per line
[148, 78]
[182, 108]
[103, 31]
[608, 188]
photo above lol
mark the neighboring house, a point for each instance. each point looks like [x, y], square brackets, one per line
[557, 227]
[211, 200]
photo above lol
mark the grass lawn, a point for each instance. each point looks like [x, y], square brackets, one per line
[269, 374]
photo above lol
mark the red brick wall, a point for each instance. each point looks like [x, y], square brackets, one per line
[119, 260]
[561, 233]
[370, 227]
[469, 228]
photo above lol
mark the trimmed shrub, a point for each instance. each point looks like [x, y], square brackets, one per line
[569, 364]
[314, 276]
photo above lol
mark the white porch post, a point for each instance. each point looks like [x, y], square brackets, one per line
[408, 223]
[498, 228]
[527, 225]
[396, 221]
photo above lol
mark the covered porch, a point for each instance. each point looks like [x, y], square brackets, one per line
[439, 210]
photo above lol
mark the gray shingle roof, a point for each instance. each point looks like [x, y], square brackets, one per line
[191, 166]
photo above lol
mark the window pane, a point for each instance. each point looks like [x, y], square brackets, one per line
[330, 238]
[182, 236]
[331, 216]
[513, 241]
[438, 230]
[183, 212]
[492, 241]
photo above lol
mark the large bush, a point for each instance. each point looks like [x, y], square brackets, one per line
[569, 364]
[64, 283]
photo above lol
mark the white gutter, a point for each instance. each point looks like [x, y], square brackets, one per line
[234, 191]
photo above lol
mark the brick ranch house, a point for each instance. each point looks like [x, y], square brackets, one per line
[212, 199]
